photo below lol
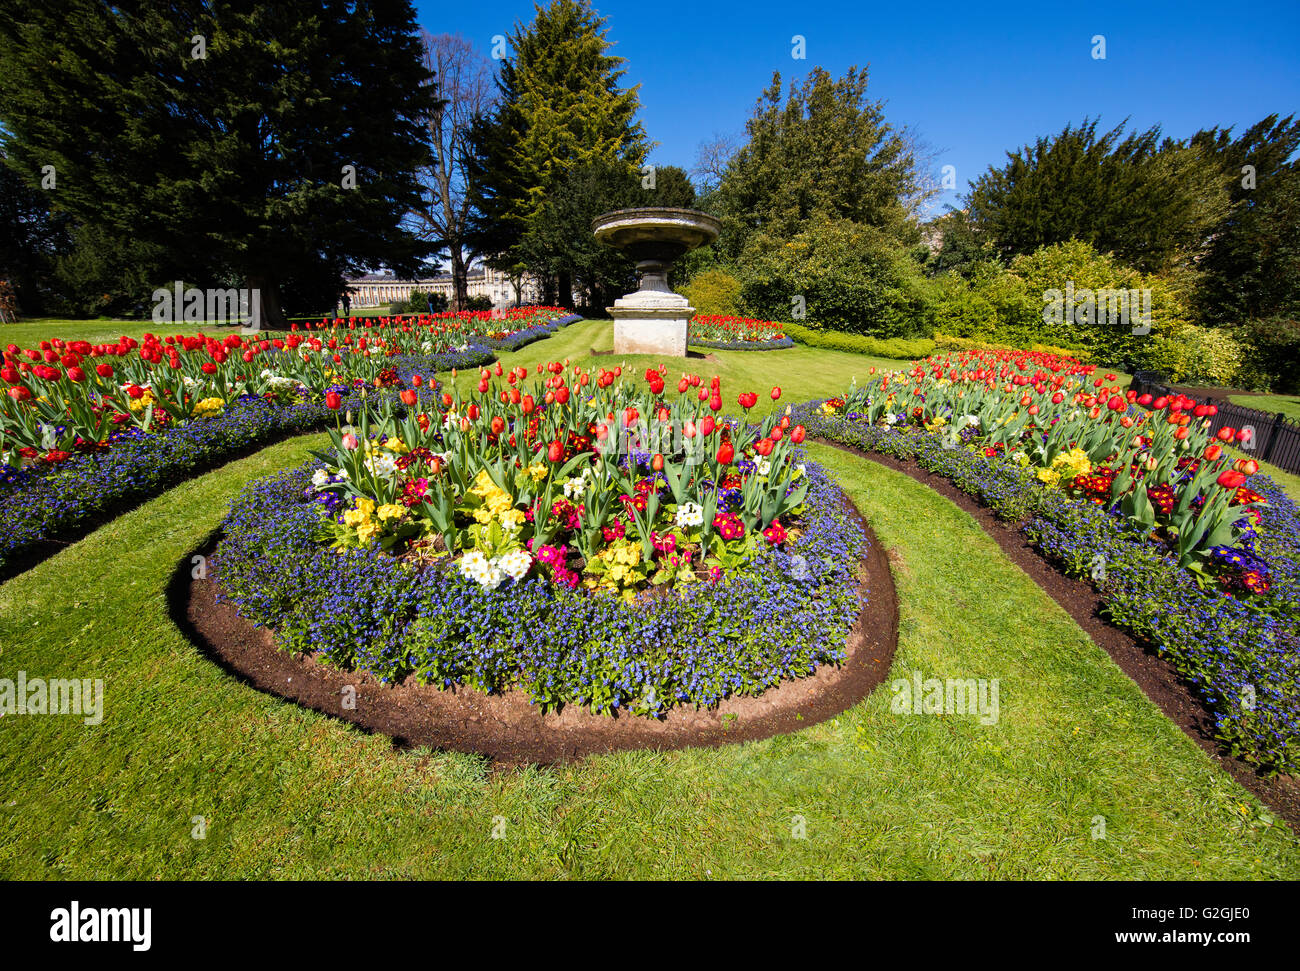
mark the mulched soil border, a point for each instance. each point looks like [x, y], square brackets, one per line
[510, 731]
[1156, 676]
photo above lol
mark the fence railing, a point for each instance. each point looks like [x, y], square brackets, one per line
[1273, 437]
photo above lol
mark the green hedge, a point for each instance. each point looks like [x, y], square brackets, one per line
[897, 348]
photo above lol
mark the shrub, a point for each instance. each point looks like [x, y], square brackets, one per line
[420, 302]
[1006, 307]
[1272, 360]
[1196, 355]
[713, 293]
[852, 278]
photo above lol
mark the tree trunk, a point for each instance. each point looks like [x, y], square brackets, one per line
[459, 280]
[267, 312]
[566, 289]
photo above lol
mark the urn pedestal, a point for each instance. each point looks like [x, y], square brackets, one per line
[653, 319]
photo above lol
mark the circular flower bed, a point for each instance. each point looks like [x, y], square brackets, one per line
[784, 615]
[548, 537]
[729, 333]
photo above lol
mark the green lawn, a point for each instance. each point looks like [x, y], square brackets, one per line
[802, 372]
[290, 793]
[1288, 404]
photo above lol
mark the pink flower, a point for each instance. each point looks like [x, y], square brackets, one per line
[350, 442]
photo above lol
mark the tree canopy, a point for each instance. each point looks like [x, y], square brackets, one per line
[276, 144]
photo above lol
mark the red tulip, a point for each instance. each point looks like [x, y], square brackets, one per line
[1212, 452]
[498, 424]
[333, 400]
[408, 396]
[1225, 434]
[657, 463]
[707, 425]
[747, 400]
[726, 453]
[555, 452]
[1231, 478]
[776, 394]
[797, 434]
[1246, 466]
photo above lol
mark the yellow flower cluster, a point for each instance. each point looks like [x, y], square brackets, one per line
[208, 406]
[141, 403]
[369, 520]
[497, 504]
[623, 558]
[538, 471]
[1066, 465]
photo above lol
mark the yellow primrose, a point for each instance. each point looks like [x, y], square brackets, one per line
[483, 484]
[483, 515]
[391, 511]
[537, 471]
[353, 518]
[396, 445]
[208, 406]
[512, 519]
[367, 531]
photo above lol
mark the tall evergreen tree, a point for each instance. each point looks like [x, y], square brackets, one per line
[275, 143]
[1252, 269]
[826, 153]
[1153, 202]
[561, 105]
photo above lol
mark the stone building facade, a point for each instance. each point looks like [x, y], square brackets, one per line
[376, 290]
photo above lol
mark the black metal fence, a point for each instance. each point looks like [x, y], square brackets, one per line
[1273, 437]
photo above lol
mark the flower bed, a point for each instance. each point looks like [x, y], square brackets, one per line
[65, 398]
[1207, 571]
[737, 333]
[494, 330]
[584, 500]
[46, 500]
[781, 618]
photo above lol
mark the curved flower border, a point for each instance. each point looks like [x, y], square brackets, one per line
[62, 502]
[790, 613]
[1240, 654]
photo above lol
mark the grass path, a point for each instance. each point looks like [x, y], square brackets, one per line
[291, 793]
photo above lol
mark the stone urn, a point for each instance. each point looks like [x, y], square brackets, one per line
[653, 320]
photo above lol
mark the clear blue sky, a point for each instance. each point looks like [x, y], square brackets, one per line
[974, 79]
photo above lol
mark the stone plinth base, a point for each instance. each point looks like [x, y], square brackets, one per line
[654, 324]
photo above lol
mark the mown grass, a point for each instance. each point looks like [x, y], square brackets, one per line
[1287, 404]
[31, 331]
[801, 372]
[290, 793]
